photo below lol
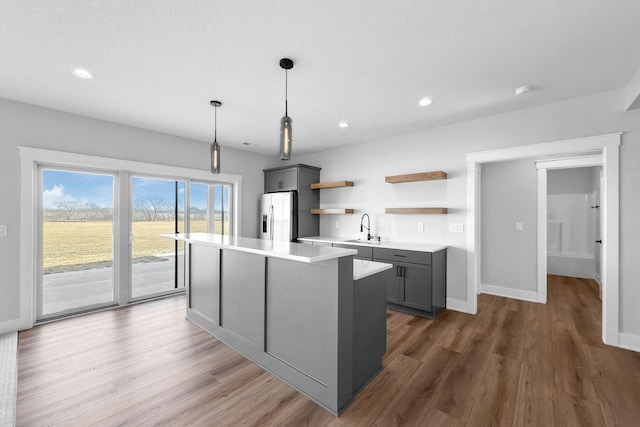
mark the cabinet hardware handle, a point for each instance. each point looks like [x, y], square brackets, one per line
[400, 256]
[599, 241]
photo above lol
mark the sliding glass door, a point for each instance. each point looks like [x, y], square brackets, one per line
[157, 263]
[99, 239]
[76, 242]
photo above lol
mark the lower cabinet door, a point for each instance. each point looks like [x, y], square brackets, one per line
[416, 286]
[391, 281]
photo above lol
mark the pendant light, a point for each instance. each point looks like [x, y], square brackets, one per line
[215, 147]
[285, 122]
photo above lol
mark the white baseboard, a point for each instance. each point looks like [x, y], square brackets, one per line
[598, 279]
[629, 341]
[509, 293]
[457, 305]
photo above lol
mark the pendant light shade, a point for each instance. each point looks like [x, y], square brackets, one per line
[215, 147]
[286, 137]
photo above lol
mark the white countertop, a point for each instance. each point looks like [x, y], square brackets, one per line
[407, 246]
[363, 268]
[284, 250]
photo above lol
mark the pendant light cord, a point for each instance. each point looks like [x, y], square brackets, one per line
[286, 84]
[215, 125]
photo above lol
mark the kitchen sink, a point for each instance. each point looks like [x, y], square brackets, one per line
[365, 242]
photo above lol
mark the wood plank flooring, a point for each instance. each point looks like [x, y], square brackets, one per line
[514, 364]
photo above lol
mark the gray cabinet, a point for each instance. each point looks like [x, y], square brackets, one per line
[281, 180]
[298, 178]
[417, 282]
[290, 178]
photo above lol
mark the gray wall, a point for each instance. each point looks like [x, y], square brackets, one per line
[509, 194]
[443, 148]
[32, 126]
[574, 180]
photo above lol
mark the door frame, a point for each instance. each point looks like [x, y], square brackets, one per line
[608, 147]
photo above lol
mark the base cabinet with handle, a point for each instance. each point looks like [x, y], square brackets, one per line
[417, 282]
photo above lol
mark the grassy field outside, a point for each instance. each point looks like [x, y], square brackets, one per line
[84, 245]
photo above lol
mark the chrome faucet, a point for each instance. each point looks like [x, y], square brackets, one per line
[368, 226]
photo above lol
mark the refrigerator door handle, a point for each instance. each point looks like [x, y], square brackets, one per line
[271, 222]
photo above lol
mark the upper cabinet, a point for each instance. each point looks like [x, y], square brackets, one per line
[413, 177]
[289, 178]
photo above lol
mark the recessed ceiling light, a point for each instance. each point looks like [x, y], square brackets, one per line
[249, 144]
[82, 74]
[343, 124]
[425, 102]
[522, 90]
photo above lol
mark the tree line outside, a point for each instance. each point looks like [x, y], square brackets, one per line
[150, 209]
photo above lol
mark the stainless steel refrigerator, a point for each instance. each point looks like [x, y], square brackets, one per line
[278, 219]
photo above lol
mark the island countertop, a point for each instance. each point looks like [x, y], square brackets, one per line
[284, 250]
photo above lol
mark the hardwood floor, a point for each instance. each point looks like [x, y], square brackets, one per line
[514, 363]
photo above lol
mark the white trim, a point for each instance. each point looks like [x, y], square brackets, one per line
[609, 147]
[510, 293]
[30, 158]
[610, 252]
[473, 235]
[456, 305]
[571, 162]
[567, 147]
[542, 237]
[629, 341]
[12, 325]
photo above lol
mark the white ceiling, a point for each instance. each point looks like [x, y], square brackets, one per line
[157, 63]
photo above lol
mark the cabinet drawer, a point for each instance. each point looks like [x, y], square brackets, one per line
[402, 256]
[363, 251]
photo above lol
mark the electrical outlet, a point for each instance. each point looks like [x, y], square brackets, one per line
[518, 226]
[421, 226]
[456, 228]
[337, 224]
[3, 230]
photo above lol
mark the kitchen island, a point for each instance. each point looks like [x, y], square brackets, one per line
[312, 316]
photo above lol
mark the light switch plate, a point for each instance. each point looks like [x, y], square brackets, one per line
[518, 226]
[456, 228]
[3, 230]
[421, 226]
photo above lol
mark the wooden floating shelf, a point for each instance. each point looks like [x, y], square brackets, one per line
[333, 184]
[415, 210]
[331, 211]
[413, 177]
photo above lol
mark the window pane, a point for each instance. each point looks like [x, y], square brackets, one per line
[154, 260]
[77, 242]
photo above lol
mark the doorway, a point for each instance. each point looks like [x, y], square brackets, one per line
[605, 146]
[573, 222]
